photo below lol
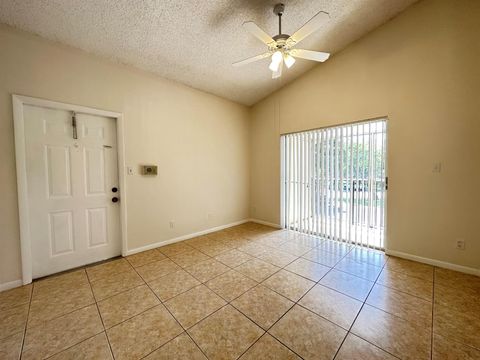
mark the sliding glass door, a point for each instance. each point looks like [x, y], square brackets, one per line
[334, 182]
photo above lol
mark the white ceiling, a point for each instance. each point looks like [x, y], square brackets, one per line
[195, 42]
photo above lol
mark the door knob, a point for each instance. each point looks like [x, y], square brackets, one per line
[114, 189]
[115, 199]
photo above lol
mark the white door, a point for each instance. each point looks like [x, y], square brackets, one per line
[71, 185]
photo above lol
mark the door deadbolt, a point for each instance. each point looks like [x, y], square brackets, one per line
[114, 189]
[115, 199]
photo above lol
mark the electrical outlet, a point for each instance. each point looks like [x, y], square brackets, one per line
[209, 217]
[254, 210]
[460, 244]
[437, 167]
[172, 224]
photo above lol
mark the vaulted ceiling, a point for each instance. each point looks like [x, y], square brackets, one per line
[195, 42]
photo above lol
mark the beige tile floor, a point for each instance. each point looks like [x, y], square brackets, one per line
[248, 292]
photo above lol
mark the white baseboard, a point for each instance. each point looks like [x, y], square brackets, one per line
[10, 285]
[438, 263]
[184, 237]
[277, 226]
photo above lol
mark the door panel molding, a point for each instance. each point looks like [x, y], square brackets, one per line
[19, 101]
[61, 222]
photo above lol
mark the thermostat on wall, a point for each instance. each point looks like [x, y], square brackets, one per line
[149, 169]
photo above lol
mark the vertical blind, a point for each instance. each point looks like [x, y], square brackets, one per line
[334, 182]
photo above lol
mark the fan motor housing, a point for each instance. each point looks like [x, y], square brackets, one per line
[281, 40]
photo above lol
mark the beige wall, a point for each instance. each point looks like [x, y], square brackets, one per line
[422, 70]
[199, 141]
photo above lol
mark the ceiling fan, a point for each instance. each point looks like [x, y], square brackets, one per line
[281, 47]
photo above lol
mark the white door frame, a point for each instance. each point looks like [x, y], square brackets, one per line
[19, 102]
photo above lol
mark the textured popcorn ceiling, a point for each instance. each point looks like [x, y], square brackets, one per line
[195, 42]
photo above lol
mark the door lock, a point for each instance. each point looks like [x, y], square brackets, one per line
[114, 189]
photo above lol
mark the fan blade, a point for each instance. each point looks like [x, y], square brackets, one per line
[253, 29]
[311, 25]
[252, 59]
[278, 73]
[310, 55]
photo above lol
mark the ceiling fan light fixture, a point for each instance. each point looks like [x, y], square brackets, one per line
[277, 58]
[289, 60]
[274, 66]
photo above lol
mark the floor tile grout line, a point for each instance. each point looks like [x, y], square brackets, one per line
[284, 268]
[177, 321]
[298, 301]
[161, 346]
[290, 308]
[402, 291]
[299, 275]
[339, 292]
[26, 303]
[87, 305]
[26, 322]
[84, 268]
[75, 344]
[361, 301]
[118, 293]
[19, 329]
[100, 315]
[266, 331]
[46, 296]
[64, 314]
[134, 316]
[204, 282]
[145, 283]
[252, 344]
[411, 276]
[387, 312]
[234, 268]
[75, 269]
[360, 277]
[257, 282]
[120, 257]
[349, 331]
[190, 336]
[70, 312]
[228, 302]
[184, 269]
[408, 276]
[248, 318]
[180, 293]
[143, 264]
